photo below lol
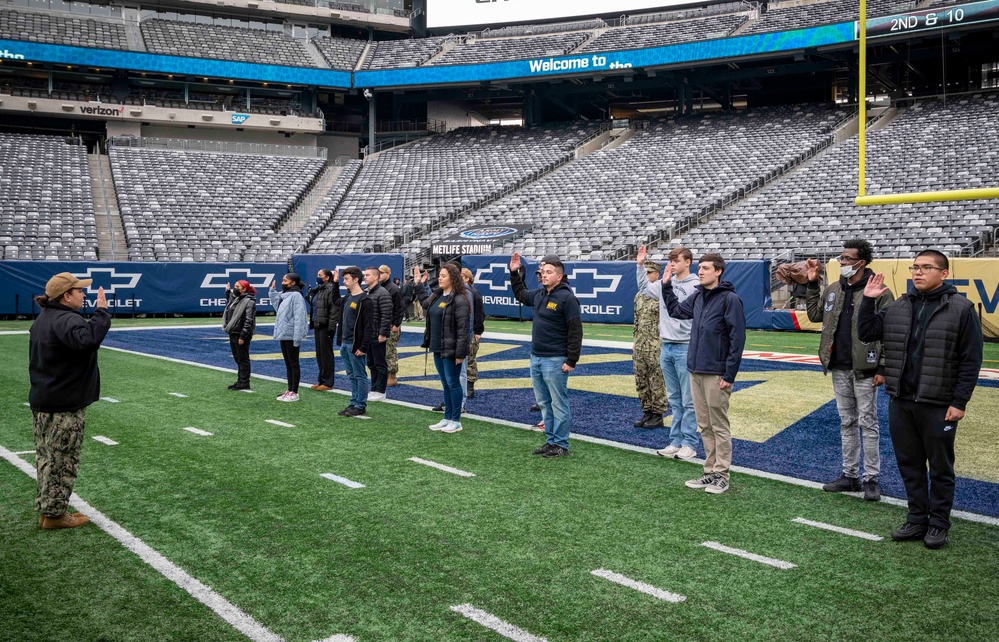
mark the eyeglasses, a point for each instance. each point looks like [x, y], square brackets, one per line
[848, 259]
[924, 268]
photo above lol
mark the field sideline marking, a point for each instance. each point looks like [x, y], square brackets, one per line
[198, 431]
[104, 440]
[490, 621]
[648, 589]
[838, 529]
[25, 452]
[738, 552]
[110, 400]
[236, 618]
[447, 469]
[342, 480]
[279, 423]
[960, 514]
[178, 395]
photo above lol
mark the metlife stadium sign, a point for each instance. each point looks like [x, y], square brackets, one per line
[456, 13]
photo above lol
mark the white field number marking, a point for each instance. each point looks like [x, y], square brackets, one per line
[769, 561]
[648, 589]
[447, 469]
[490, 621]
[838, 529]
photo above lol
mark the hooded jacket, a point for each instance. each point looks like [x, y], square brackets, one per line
[364, 324]
[455, 335]
[245, 326]
[718, 330]
[557, 330]
[291, 322]
[829, 308]
[62, 358]
[932, 343]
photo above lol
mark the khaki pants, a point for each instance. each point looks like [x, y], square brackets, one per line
[419, 309]
[711, 408]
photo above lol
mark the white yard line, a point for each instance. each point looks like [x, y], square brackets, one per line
[110, 400]
[342, 480]
[25, 452]
[447, 469]
[104, 440]
[960, 514]
[236, 618]
[279, 423]
[838, 529]
[738, 552]
[648, 589]
[490, 621]
[198, 431]
[178, 395]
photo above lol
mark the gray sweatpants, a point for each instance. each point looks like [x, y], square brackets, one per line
[856, 401]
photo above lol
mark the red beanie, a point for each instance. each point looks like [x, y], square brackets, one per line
[247, 287]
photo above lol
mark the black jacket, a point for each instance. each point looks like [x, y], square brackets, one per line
[383, 308]
[62, 358]
[364, 326]
[557, 329]
[478, 312]
[398, 303]
[932, 344]
[248, 325]
[455, 339]
[718, 331]
[325, 300]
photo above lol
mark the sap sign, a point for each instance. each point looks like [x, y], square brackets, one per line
[239, 119]
[142, 288]
[606, 289]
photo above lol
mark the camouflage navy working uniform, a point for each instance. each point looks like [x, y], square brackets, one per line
[64, 381]
[648, 373]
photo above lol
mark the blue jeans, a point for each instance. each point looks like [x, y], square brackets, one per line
[356, 368]
[673, 362]
[551, 391]
[464, 381]
[450, 374]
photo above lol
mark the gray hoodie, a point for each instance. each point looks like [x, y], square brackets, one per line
[670, 329]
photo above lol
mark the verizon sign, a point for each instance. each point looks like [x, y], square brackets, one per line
[457, 13]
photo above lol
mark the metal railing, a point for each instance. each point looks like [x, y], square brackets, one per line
[226, 147]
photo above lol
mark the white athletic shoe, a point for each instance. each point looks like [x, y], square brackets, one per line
[284, 395]
[453, 426]
[668, 451]
[376, 396]
[289, 396]
[440, 425]
[686, 453]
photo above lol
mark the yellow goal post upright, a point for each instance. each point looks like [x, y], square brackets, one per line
[909, 197]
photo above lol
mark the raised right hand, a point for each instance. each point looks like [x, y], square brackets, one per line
[812, 269]
[642, 256]
[416, 274]
[273, 284]
[102, 300]
[875, 286]
[515, 262]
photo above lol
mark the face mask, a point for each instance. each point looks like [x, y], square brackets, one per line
[238, 291]
[320, 280]
[285, 286]
[847, 272]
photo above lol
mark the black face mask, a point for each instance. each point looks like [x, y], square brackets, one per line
[285, 287]
[320, 280]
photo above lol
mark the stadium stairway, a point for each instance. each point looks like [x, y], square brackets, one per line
[318, 60]
[111, 244]
[133, 34]
[311, 200]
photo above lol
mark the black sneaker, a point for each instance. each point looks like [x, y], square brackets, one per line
[910, 532]
[343, 413]
[541, 451]
[656, 421]
[239, 386]
[353, 411]
[872, 492]
[935, 537]
[232, 386]
[641, 422]
[438, 408]
[471, 390]
[843, 485]
[556, 451]
[535, 408]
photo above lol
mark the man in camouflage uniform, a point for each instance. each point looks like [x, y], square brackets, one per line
[64, 381]
[648, 373]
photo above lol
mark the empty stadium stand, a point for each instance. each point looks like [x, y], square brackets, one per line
[203, 206]
[933, 145]
[409, 190]
[193, 40]
[787, 16]
[388, 54]
[56, 29]
[340, 53]
[599, 206]
[666, 33]
[484, 50]
[46, 204]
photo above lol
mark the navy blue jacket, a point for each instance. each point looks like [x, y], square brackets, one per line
[557, 330]
[718, 331]
[62, 358]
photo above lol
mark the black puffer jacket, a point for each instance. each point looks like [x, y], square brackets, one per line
[62, 358]
[932, 343]
[325, 306]
[456, 333]
[381, 304]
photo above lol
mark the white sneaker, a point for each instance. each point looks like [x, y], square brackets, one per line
[290, 396]
[718, 486]
[668, 451]
[283, 395]
[686, 453]
[376, 396]
[440, 425]
[453, 426]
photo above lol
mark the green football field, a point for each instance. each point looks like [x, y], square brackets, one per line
[271, 549]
